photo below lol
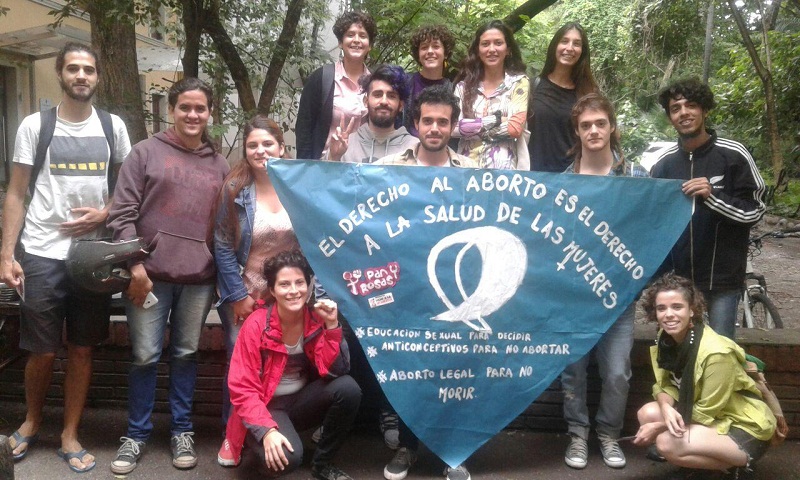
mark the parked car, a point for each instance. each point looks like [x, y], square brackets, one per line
[652, 153]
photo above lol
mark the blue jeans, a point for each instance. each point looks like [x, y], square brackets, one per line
[231, 333]
[722, 306]
[186, 308]
[613, 354]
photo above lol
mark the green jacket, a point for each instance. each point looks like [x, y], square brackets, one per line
[720, 381]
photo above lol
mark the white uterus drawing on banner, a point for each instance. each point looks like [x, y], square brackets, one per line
[504, 261]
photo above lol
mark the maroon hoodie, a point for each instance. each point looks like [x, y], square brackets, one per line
[166, 194]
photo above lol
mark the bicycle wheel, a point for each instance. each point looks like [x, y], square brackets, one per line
[765, 314]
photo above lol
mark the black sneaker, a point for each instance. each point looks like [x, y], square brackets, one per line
[127, 456]
[329, 472]
[183, 454]
[398, 467]
[652, 454]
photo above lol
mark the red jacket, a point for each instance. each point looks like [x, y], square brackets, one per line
[258, 362]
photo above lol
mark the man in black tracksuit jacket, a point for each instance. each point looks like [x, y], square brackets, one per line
[727, 191]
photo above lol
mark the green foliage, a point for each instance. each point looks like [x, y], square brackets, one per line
[740, 97]
[254, 28]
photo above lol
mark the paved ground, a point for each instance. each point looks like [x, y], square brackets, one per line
[511, 455]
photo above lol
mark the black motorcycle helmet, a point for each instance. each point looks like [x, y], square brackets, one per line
[99, 265]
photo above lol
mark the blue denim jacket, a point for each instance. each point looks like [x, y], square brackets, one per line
[231, 261]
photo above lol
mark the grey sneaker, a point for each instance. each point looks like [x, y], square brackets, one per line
[612, 454]
[127, 456]
[389, 424]
[329, 472]
[317, 435]
[183, 454]
[398, 468]
[458, 473]
[577, 455]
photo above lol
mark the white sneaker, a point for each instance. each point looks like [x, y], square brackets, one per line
[458, 473]
[577, 455]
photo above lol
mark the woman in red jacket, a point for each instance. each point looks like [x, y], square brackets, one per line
[289, 373]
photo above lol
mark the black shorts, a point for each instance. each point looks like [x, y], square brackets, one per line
[753, 447]
[51, 298]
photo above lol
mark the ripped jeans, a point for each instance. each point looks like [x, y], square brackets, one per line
[613, 354]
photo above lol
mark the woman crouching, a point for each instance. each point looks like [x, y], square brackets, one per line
[288, 373]
[708, 414]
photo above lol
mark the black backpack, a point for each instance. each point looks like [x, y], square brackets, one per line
[48, 127]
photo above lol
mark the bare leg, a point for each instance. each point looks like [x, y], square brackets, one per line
[38, 373]
[701, 447]
[76, 386]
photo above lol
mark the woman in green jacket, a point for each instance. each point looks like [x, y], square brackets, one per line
[708, 413]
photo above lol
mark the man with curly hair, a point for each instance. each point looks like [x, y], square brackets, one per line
[431, 47]
[385, 90]
[726, 189]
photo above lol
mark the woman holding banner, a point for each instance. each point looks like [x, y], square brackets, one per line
[708, 413]
[332, 103]
[566, 77]
[251, 226]
[289, 373]
[493, 91]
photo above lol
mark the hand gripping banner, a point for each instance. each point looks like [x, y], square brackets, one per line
[470, 290]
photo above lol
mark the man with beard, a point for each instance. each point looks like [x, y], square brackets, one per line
[435, 114]
[70, 199]
[386, 89]
[727, 190]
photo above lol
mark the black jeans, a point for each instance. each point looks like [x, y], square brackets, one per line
[334, 403]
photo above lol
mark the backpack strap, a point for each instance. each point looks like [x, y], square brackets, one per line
[47, 126]
[108, 130]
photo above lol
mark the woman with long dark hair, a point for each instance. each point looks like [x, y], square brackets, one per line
[709, 415]
[332, 103]
[493, 90]
[251, 226]
[566, 77]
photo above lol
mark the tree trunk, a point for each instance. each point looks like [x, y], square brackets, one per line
[192, 28]
[213, 26]
[765, 75]
[709, 41]
[520, 16]
[118, 90]
[279, 54]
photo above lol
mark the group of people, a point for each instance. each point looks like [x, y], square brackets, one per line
[215, 232]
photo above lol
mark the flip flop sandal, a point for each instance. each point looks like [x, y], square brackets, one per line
[67, 456]
[28, 441]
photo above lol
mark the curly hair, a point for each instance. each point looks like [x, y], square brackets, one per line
[391, 74]
[429, 33]
[582, 75]
[287, 259]
[437, 95]
[672, 282]
[472, 70]
[597, 102]
[692, 89]
[349, 19]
